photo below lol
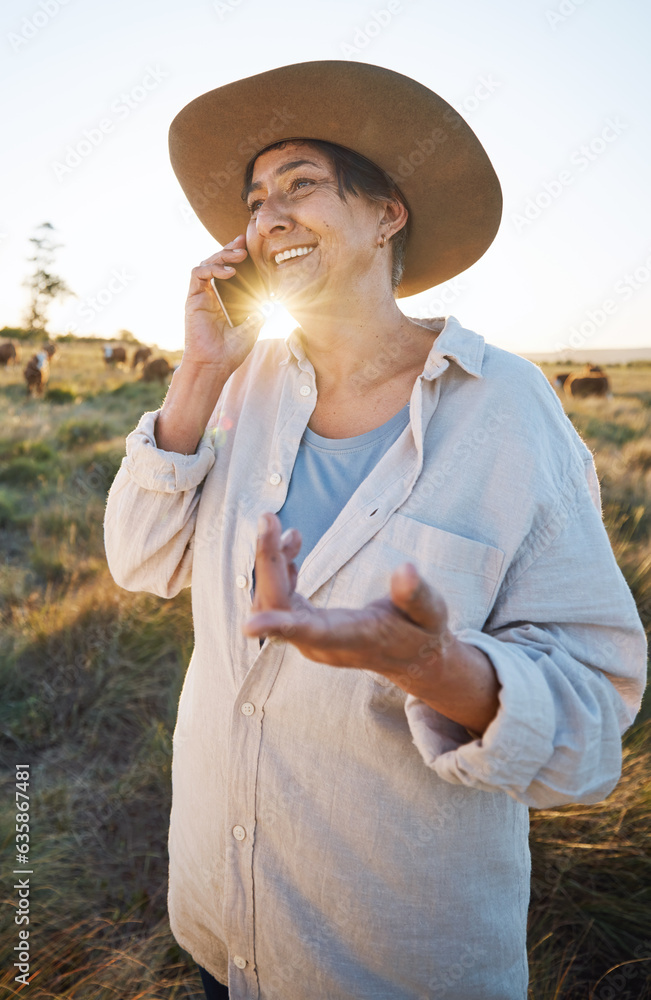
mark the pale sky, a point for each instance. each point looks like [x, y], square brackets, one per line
[556, 91]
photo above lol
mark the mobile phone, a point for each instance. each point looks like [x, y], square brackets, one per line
[241, 295]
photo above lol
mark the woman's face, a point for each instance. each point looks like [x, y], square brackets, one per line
[295, 206]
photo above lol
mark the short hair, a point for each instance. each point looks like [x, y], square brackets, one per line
[355, 175]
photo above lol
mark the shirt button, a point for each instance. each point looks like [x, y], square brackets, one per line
[305, 390]
[239, 832]
[241, 581]
[247, 708]
[239, 962]
[275, 478]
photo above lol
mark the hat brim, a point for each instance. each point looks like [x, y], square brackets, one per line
[418, 139]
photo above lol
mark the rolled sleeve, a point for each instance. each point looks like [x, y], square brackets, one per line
[569, 652]
[151, 512]
[160, 471]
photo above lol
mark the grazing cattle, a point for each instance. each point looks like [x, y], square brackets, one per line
[561, 379]
[8, 354]
[37, 372]
[115, 355]
[141, 356]
[590, 382]
[50, 349]
[159, 368]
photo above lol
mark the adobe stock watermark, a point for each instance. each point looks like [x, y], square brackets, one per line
[39, 19]
[438, 304]
[248, 147]
[432, 141]
[580, 160]
[484, 89]
[378, 21]
[424, 147]
[595, 319]
[121, 109]
[465, 449]
[223, 8]
[564, 10]
[92, 305]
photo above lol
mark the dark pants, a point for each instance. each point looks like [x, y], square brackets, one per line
[213, 989]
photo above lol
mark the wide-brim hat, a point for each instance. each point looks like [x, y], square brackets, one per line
[418, 139]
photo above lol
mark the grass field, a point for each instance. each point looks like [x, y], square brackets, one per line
[91, 675]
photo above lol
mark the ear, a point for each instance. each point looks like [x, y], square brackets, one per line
[394, 217]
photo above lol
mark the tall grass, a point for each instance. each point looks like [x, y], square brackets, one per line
[90, 678]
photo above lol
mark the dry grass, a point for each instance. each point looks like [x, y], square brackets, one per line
[90, 679]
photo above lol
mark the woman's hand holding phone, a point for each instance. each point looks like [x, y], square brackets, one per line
[209, 337]
[213, 351]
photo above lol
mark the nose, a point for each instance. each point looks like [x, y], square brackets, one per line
[271, 218]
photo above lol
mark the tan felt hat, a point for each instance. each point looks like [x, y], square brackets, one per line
[418, 139]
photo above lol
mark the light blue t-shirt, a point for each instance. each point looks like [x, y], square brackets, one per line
[327, 472]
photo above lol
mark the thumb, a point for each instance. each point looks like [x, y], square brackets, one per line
[419, 602]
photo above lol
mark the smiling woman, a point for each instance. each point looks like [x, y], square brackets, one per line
[355, 176]
[409, 624]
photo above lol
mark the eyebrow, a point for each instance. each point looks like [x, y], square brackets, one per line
[284, 169]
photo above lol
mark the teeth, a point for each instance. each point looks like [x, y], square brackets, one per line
[294, 252]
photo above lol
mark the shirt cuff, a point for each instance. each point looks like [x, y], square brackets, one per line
[151, 468]
[516, 743]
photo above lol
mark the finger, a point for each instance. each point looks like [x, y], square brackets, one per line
[272, 585]
[338, 629]
[236, 255]
[290, 625]
[290, 543]
[236, 247]
[201, 276]
[420, 603]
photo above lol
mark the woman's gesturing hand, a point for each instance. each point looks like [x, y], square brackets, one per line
[404, 636]
[209, 340]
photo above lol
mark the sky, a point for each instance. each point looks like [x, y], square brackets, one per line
[556, 90]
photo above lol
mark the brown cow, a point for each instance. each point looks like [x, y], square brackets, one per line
[115, 355]
[141, 356]
[37, 372]
[159, 368]
[8, 353]
[561, 379]
[589, 382]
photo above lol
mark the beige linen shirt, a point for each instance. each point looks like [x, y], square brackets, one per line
[331, 837]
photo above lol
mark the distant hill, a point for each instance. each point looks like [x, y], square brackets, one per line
[606, 356]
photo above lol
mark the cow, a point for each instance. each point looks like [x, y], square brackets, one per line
[159, 368]
[560, 380]
[141, 356]
[115, 355]
[37, 372]
[8, 353]
[592, 381]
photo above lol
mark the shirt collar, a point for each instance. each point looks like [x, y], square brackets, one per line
[458, 344]
[454, 342]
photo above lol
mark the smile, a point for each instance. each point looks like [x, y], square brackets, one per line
[294, 252]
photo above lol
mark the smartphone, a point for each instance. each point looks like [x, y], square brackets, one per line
[241, 295]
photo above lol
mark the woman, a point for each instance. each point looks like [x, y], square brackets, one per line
[376, 698]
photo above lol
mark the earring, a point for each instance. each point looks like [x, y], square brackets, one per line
[382, 241]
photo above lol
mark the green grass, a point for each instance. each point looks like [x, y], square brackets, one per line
[90, 677]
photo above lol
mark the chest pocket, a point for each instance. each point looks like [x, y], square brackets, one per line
[466, 572]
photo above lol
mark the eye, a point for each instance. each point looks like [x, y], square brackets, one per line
[254, 206]
[299, 182]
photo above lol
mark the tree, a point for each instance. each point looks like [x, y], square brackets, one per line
[44, 286]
